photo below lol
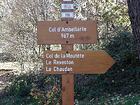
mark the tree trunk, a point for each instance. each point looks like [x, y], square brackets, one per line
[134, 14]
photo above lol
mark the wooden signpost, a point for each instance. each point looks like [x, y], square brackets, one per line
[68, 62]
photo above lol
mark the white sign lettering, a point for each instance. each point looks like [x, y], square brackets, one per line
[67, 36]
[56, 68]
[61, 60]
[62, 68]
[66, 62]
[64, 56]
[67, 32]
[67, 29]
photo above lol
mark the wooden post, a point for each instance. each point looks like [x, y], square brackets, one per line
[68, 89]
[67, 83]
[67, 79]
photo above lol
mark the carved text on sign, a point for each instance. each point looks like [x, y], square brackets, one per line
[54, 61]
[87, 62]
[73, 32]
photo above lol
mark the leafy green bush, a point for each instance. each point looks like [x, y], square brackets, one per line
[21, 86]
[122, 78]
[131, 99]
[33, 89]
[123, 49]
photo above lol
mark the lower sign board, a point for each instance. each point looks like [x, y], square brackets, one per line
[62, 32]
[77, 62]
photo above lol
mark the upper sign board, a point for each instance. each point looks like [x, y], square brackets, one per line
[72, 32]
[77, 62]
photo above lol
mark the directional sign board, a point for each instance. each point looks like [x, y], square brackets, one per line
[77, 62]
[61, 32]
